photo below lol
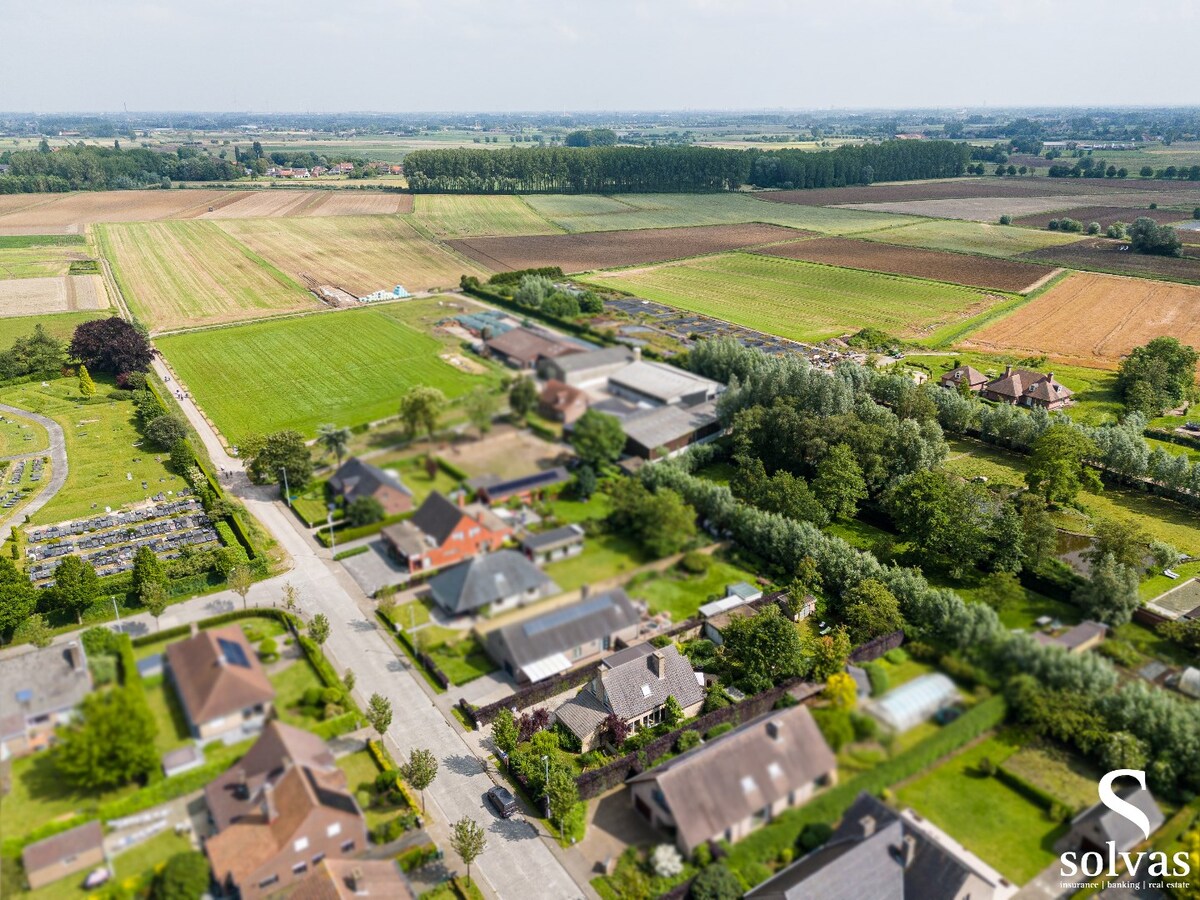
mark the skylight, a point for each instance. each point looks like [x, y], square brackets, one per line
[645, 690]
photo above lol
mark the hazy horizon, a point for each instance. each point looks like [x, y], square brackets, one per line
[621, 56]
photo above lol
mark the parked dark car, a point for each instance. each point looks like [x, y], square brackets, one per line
[503, 801]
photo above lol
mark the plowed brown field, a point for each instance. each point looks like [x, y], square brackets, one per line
[957, 268]
[1093, 320]
[988, 186]
[1105, 215]
[610, 249]
[1103, 255]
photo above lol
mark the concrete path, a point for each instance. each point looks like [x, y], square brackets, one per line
[58, 465]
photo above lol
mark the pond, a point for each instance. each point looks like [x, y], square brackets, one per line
[1070, 548]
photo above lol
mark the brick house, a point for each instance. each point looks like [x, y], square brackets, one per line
[560, 402]
[1022, 387]
[441, 533]
[280, 811]
[960, 375]
[222, 688]
[355, 478]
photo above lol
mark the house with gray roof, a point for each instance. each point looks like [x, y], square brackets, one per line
[671, 428]
[749, 776]
[880, 853]
[634, 685]
[39, 690]
[355, 479]
[1093, 828]
[490, 583]
[552, 545]
[555, 641]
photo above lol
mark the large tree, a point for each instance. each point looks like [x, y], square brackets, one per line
[1157, 376]
[481, 406]
[839, 484]
[870, 609]
[764, 649]
[660, 521]
[1058, 467]
[184, 877]
[334, 439]
[598, 438]
[166, 431]
[1110, 594]
[523, 396]
[945, 518]
[18, 598]
[275, 454]
[111, 744]
[147, 569]
[111, 345]
[420, 408]
[76, 587]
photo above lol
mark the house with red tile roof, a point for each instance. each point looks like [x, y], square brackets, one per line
[221, 685]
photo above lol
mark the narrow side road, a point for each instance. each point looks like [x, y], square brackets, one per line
[58, 465]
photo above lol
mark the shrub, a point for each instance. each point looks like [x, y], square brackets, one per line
[715, 882]
[687, 740]
[865, 727]
[104, 669]
[268, 650]
[1058, 812]
[986, 767]
[1093, 228]
[813, 835]
[896, 656]
[1006, 220]
[661, 640]
[311, 697]
[835, 726]
[718, 730]
[331, 695]
[695, 563]
[878, 677]
[1120, 652]
[702, 856]
[98, 641]
[666, 861]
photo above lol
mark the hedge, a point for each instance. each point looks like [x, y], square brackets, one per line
[343, 532]
[337, 726]
[450, 468]
[385, 763]
[1030, 791]
[282, 616]
[416, 857]
[353, 551]
[763, 846]
[440, 681]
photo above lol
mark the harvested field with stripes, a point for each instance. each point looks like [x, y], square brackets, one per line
[1093, 320]
[958, 268]
[990, 209]
[962, 188]
[610, 249]
[971, 237]
[470, 215]
[39, 296]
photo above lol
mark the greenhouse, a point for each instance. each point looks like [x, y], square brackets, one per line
[915, 702]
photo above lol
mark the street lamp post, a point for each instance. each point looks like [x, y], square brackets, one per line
[287, 494]
[329, 517]
[546, 785]
[116, 612]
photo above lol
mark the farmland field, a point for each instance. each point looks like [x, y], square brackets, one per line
[467, 215]
[180, 274]
[40, 256]
[597, 213]
[1103, 255]
[958, 268]
[1105, 215]
[347, 367]
[63, 293]
[608, 249]
[970, 237]
[61, 325]
[359, 254]
[802, 301]
[990, 209]
[1095, 319]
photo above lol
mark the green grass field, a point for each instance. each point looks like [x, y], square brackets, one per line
[100, 441]
[13, 433]
[469, 215]
[971, 237]
[681, 594]
[348, 367]
[36, 262]
[591, 212]
[803, 301]
[60, 325]
[985, 815]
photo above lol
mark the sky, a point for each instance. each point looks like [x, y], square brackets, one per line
[585, 55]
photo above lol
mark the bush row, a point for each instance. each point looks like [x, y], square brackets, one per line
[876, 647]
[385, 763]
[353, 551]
[282, 616]
[345, 532]
[1027, 789]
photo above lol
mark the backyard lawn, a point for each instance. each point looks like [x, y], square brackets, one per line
[172, 726]
[985, 815]
[360, 772]
[290, 684]
[604, 556]
[682, 594]
[39, 795]
[462, 660]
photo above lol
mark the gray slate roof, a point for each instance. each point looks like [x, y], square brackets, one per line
[567, 627]
[623, 686]
[37, 682]
[853, 865]
[485, 579]
[1101, 824]
[592, 359]
[355, 478]
[556, 537]
[742, 772]
[437, 517]
[659, 426]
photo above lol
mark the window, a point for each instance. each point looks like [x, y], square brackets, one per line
[267, 882]
[317, 859]
[333, 830]
[300, 845]
[300, 868]
[473, 532]
[458, 535]
[347, 846]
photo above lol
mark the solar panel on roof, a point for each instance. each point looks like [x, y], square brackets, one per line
[567, 614]
[24, 696]
[233, 652]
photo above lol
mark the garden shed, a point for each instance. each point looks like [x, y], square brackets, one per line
[915, 702]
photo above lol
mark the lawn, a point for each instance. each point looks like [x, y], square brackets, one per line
[290, 684]
[592, 212]
[604, 556]
[411, 469]
[985, 815]
[185, 274]
[61, 325]
[21, 435]
[469, 215]
[172, 726]
[971, 237]
[137, 863]
[463, 659]
[411, 614]
[1064, 776]
[101, 449]
[1148, 643]
[39, 795]
[347, 367]
[803, 301]
[360, 772]
[681, 594]
[360, 254]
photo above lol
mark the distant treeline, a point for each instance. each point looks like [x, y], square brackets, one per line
[616, 170]
[90, 168]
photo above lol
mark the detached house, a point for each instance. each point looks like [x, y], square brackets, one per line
[1021, 387]
[39, 690]
[960, 375]
[222, 688]
[279, 812]
[561, 402]
[727, 787]
[355, 479]
[441, 533]
[490, 583]
[633, 684]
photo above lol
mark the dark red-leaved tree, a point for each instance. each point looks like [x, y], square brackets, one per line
[614, 730]
[531, 723]
[111, 345]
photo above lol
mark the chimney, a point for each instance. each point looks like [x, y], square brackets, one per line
[637, 354]
[270, 813]
[658, 664]
[908, 850]
[1007, 371]
[773, 731]
[241, 790]
[287, 763]
[356, 882]
[584, 590]
[1049, 376]
[193, 629]
[74, 657]
[867, 824]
